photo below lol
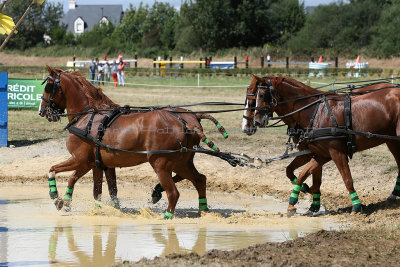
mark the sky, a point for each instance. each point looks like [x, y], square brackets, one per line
[175, 3]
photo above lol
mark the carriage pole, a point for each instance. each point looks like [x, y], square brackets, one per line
[3, 109]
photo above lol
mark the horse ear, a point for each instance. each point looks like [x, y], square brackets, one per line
[256, 78]
[50, 70]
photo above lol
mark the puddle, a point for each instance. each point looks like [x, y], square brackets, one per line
[33, 233]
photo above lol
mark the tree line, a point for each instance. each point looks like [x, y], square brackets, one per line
[350, 28]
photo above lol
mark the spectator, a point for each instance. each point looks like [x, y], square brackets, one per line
[92, 71]
[97, 70]
[114, 71]
[100, 75]
[121, 73]
[107, 71]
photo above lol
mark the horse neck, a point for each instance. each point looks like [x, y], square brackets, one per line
[289, 92]
[76, 100]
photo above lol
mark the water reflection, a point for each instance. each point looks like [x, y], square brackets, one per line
[98, 257]
[171, 242]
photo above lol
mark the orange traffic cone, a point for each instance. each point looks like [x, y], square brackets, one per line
[358, 59]
[320, 59]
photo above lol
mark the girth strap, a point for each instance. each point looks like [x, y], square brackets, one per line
[351, 146]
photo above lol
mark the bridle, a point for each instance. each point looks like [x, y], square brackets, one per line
[52, 108]
[268, 96]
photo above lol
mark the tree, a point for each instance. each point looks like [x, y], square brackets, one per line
[343, 28]
[43, 19]
[385, 40]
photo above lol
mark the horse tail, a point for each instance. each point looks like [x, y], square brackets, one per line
[221, 128]
[202, 136]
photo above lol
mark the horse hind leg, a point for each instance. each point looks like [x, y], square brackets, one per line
[111, 178]
[394, 148]
[342, 164]
[97, 183]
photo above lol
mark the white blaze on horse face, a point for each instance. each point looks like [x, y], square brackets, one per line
[40, 106]
[244, 122]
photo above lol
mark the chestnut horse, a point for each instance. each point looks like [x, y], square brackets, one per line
[158, 130]
[376, 111]
[249, 127]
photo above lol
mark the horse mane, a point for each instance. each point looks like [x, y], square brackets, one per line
[294, 83]
[97, 99]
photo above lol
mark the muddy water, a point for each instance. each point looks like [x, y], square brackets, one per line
[33, 233]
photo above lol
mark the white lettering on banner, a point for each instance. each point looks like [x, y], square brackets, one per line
[22, 96]
[21, 88]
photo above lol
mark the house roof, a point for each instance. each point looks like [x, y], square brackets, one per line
[92, 14]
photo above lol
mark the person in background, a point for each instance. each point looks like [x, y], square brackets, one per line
[97, 71]
[100, 75]
[114, 71]
[92, 71]
[121, 73]
[107, 71]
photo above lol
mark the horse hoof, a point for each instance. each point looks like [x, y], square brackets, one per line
[115, 204]
[392, 198]
[59, 203]
[205, 210]
[53, 195]
[67, 205]
[291, 212]
[67, 209]
[156, 196]
[355, 213]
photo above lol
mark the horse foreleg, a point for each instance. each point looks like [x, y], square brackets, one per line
[68, 165]
[160, 166]
[70, 188]
[295, 164]
[199, 181]
[315, 191]
[342, 164]
[156, 195]
[307, 171]
[394, 148]
[112, 186]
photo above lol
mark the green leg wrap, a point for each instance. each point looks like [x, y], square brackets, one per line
[203, 204]
[316, 204]
[53, 188]
[207, 141]
[304, 187]
[69, 192]
[168, 215]
[294, 197]
[356, 202]
[396, 190]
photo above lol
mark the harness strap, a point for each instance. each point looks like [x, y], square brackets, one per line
[74, 120]
[311, 124]
[330, 112]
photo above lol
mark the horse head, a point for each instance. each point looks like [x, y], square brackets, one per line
[53, 99]
[248, 125]
[261, 98]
